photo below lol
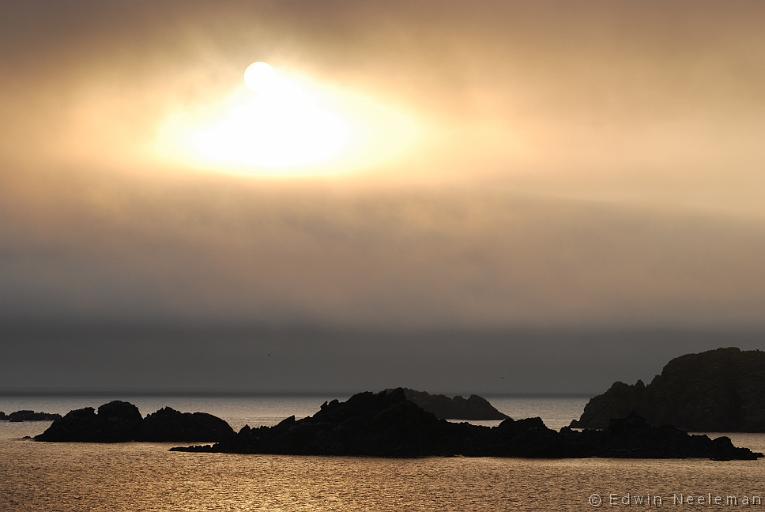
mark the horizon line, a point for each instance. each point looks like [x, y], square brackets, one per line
[248, 393]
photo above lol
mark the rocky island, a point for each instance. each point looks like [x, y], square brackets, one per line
[720, 390]
[28, 415]
[388, 424]
[473, 407]
[119, 421]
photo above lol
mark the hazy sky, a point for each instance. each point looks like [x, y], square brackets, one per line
[582, 200]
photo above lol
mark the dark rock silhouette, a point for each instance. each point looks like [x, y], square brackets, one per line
[720, 390]
[170, 425]
[114, 422]
[27, 415]
[121, 421]
[388, 424]
[472, 408]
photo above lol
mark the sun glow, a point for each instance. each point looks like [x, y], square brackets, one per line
[281, 124]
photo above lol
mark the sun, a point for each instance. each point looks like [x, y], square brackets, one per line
[280, 123]
[276, 123]
[259, 75]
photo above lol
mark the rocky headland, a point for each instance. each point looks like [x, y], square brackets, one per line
[119, 421]
[388, 424]
[473, 407]
[720, 390]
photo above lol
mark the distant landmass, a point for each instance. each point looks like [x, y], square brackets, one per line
[473, 407]
[27, 415]
[389, 424]
[119, 421]
[720, 390]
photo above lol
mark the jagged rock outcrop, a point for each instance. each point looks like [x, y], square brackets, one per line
[720, 390]
[388, 424]
[473, 407]
[120, 421]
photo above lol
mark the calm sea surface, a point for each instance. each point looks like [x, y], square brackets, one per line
[147, 477]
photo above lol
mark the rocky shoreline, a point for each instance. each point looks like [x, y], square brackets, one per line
[388, 424]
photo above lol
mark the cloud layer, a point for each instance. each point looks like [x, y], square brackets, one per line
[589, 168]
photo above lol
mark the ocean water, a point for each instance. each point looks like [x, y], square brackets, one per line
[147, 477]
